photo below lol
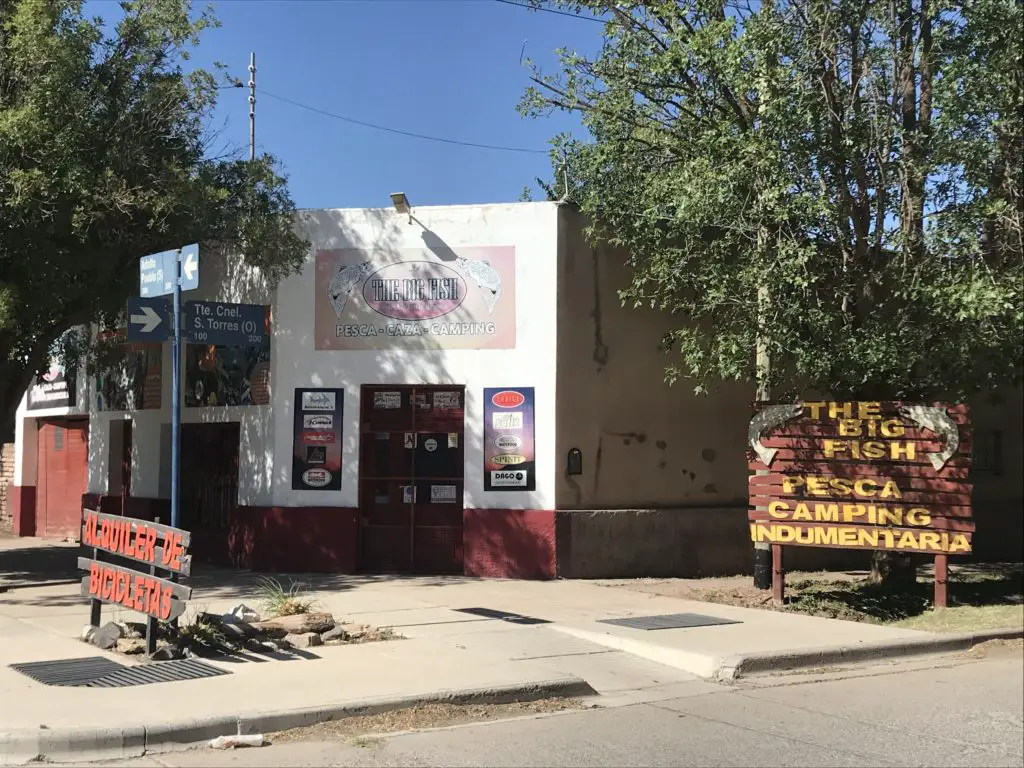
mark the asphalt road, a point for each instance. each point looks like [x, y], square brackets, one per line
[966, 713]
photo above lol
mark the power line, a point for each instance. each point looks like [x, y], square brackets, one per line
[550, 10]
[399, 131]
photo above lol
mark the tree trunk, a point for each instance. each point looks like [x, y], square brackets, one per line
[892, 570]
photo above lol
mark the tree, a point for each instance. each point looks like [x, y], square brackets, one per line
[827, 193]
[104, 157]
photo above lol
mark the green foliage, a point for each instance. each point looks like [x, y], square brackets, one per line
[278, 601]
[104, 157]
[835, 181]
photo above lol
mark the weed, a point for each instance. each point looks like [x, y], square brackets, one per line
[278, 601]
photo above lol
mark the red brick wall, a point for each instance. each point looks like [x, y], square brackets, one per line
[509, 543]
[6, 479]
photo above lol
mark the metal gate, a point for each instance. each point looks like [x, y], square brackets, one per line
[209, 475]
[411, 461]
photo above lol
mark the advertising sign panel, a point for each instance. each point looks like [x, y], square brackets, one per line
[316, 447]
[510, 460]
[412, 299]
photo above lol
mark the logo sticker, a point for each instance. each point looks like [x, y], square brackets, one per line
[508, 399]
[318, 421]
[507, 442]
[510, 420]
[316, 478]
[507, 458]
[508, 479]
[318, 437]
[318, 401]
[387, 400]
[430, 444]
[442, 494]
[316, 454]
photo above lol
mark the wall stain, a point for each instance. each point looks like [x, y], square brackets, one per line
[597, 464]
[709, 455]
[662, 464]
[640, 437]
[710, 488]
[662, 445]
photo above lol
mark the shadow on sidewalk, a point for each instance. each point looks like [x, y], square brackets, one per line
[37, 565]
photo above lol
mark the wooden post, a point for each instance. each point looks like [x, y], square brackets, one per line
[778, 576]
[941, 580]
[95, 605]
[151, 626]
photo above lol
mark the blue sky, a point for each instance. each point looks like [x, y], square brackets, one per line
[448, 68]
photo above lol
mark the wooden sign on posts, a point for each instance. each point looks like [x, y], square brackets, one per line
[865, 475]
[156, 547]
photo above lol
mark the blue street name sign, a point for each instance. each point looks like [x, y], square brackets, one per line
[157, 272]
[224, 325]
[148, 320]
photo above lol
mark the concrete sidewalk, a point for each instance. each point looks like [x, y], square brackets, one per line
[559, 648]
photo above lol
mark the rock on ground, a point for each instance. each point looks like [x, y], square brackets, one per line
[106, 637]
[304, 639]
[295, 625]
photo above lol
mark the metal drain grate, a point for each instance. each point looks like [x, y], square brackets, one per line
[512, 618]
[68, 671]
[159, 672]
[669, 621]
[98, 672]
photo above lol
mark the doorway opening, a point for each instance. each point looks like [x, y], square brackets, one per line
[411, 463]
[209, 476]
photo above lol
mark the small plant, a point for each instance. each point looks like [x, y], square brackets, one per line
[202, 632]
[278, 601]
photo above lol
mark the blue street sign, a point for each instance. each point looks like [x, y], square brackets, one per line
[157, 272]
[148, 320]
[225, 325]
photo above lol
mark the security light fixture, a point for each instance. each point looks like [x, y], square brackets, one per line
[401, 202]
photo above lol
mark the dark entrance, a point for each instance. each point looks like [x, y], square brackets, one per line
[209, 476]
[411, 462]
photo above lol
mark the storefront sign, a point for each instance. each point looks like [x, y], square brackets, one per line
[412, 299]
[509, 448]
[869, 475]
[53, 389]
[155, 547]
[316, 447]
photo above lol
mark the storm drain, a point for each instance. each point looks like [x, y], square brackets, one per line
[512, 618]
[669, 621]
[98, 672]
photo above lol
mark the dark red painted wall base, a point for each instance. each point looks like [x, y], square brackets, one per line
[498, 543]
[294, 539]
[509, 543]
[21, 501]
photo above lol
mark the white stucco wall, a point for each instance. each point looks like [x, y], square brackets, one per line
[219, 280]
[531, 228]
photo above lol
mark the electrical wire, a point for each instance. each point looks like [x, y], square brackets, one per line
[551, 10]
[399, 131]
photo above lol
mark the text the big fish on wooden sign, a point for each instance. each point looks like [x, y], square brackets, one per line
[869, 475]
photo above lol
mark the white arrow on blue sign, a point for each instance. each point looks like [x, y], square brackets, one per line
[157, 271]
[148, 319]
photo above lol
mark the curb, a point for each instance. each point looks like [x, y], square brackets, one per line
[746, 665]
[92, 744]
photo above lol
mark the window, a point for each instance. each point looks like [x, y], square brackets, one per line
[987, 455]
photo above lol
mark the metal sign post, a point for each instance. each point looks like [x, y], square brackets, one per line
[176, 392]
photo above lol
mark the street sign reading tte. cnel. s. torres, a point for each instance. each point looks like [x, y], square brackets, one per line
[866, 475]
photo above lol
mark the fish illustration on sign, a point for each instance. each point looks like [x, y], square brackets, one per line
[486, 278]
[346, 280]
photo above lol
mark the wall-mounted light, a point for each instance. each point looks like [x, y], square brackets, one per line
[401, 203]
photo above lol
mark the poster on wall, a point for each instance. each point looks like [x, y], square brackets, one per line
[416, 299]
[52, 389]
[316, 446]
[510, 459]
[218, 376]
[132, 381]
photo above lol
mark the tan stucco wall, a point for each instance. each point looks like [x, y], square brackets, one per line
[645, 444]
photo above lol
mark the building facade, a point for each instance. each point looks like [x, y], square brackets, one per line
[455, 390]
